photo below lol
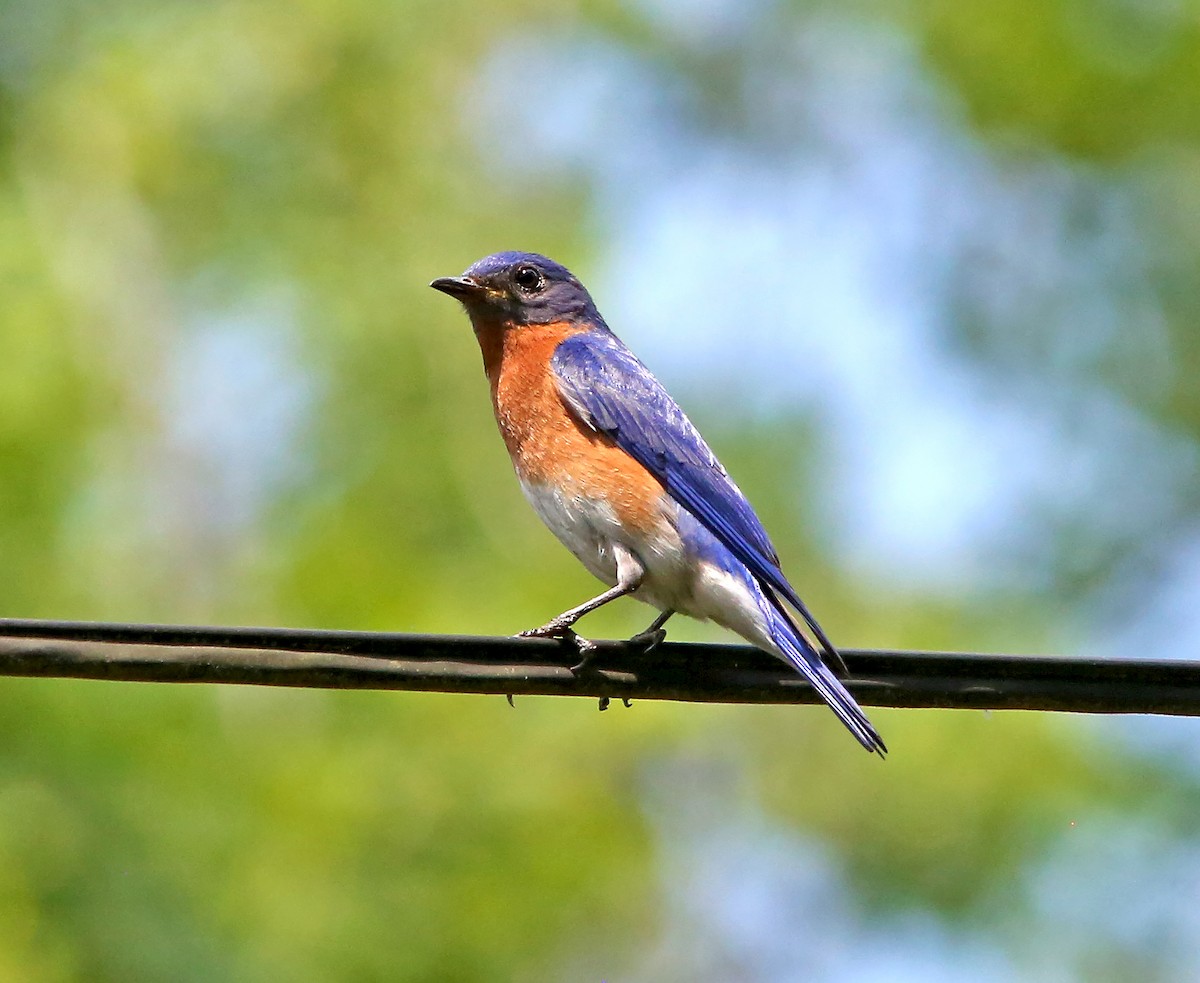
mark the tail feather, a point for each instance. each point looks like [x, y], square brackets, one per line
[808, 662]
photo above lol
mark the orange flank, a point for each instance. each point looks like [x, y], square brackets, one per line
[548, 443]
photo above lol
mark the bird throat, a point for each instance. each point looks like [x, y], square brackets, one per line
[517, 360]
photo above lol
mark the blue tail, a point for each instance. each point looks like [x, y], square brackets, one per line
[810, 665]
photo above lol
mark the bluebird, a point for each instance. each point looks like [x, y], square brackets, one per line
[618, 473]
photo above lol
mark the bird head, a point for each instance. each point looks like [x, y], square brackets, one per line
[515, 288]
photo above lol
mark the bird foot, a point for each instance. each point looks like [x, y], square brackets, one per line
[648, 640]
[565, 633]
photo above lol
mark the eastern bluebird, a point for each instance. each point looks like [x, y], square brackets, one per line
[617, 471]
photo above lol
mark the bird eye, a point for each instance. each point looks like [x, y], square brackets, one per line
[529, 279]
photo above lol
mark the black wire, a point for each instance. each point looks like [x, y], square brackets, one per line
[511, 666]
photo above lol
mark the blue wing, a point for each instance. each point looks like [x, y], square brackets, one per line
[614, 393]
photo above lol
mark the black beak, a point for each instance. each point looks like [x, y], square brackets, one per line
[458, 286]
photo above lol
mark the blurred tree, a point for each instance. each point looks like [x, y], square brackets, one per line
[227, 396]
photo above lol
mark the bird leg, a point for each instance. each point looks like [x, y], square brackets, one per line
[649, 640]
[653, 636]
[630, 573]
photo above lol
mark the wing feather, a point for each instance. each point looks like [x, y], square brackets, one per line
[615, 394]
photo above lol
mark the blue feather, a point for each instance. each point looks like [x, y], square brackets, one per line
[614, 393]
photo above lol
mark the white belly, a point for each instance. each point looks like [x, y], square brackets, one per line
[675, 580]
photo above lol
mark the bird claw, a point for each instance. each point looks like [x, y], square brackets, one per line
[587, 652]
[565, 633]
[648, 640]
[509, 697]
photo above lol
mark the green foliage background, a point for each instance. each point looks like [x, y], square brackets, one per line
[226, 213]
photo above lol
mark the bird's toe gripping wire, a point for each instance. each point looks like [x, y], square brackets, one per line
[630, 572]
[652, 637]
[562, 630]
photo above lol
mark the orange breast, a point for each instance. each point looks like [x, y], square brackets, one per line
[549, 444]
